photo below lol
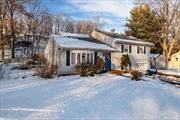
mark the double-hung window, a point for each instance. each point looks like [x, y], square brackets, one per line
[73, 58]
[78, 58]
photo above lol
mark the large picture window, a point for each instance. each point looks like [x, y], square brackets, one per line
[79, 58]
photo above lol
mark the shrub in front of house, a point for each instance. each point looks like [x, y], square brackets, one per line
[46, 71]
[136, 75]
[85, 70]
[125, 62]
[99, 66]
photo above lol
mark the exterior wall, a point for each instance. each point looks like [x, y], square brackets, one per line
[139, 61]
[63, 69]
[52, 52]
[175, 61]
[105, 39]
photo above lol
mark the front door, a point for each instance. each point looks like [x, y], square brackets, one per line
[107, 61]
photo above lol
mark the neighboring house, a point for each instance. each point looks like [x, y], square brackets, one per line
[174, 61]
[68, 50]
[138, 50]
[158, 61]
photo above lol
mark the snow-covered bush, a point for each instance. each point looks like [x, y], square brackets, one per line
[136, 75]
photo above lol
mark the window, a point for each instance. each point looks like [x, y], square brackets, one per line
[73, 58]
[125, 48]
[177, 59]
[67, 58]
[83, 57]
[129, 48]
[88, 58]
[140, 49]
[122, 48]
[78, 58]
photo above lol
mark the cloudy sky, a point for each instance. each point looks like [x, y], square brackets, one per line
[113, 12]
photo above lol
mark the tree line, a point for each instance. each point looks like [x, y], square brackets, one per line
[31, 18]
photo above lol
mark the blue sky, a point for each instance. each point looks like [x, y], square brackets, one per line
[113, 13]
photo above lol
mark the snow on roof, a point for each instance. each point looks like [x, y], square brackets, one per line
[122, 38]
[74, 35]
[75, 43]
[134, 42]
[154, 55]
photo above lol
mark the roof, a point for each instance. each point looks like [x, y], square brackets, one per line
[122, 38]
[74, 35]
[154, 55]
[70, 42]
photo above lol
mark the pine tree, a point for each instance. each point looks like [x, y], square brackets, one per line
[145, 24]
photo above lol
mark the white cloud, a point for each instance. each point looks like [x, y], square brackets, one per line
[118, 8]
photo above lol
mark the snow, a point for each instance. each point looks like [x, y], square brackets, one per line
[134, 42]
[104, 96]
[154, 55]
[170, 71]
[75, 43]
[74, 35]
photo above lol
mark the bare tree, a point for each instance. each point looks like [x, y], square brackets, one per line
[87, 26]
[69, 25]
[58, 23]
[169, 12]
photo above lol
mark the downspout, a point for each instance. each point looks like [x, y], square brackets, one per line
[59, 61]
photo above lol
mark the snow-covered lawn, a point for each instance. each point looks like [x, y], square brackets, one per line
[175, 72]
[104, 97]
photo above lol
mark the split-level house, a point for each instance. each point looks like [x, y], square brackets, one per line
[68, 50]
[138, 50]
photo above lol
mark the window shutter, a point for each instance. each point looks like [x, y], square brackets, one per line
[67, 58]
[137, 49]
[95, 57]
[144, 50]
[122, 48]
[130, 49]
